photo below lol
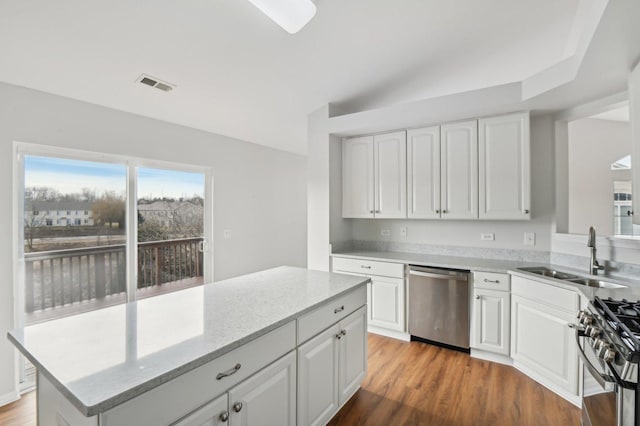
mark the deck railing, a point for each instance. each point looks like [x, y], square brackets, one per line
[63, 277]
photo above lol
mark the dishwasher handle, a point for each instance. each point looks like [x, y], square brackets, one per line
[453, 275]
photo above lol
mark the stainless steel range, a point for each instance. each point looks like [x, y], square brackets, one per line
[608, 337]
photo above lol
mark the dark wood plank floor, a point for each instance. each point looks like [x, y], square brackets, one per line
[419, 384]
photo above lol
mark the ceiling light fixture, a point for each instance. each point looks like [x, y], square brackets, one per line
[291, 15]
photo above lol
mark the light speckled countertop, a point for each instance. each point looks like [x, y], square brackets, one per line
[102, 358]
[631, 292]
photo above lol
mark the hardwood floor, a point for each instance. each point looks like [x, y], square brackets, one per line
[21, 412]
[419, 384]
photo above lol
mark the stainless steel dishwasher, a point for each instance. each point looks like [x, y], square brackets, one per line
[439, 306]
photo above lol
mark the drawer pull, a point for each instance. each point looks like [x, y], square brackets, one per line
[492, 281]
[343, 332]
[338, 336]
[224, 416]
[237, 407]
[229, 372]
[337, 310]
[365, 267]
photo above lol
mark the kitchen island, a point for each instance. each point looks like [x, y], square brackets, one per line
[286, 338]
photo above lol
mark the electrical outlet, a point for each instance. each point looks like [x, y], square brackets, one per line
[529, 238]
[227, 234]
[488, 237]
[385, 233]
[403, 231]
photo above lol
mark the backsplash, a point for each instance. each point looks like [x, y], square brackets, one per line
[611, 269]
[458, 251]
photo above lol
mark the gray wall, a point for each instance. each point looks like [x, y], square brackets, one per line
[508, 234]
[593, 145]
[259, 193]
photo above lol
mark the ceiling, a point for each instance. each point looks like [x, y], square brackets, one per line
[238, 74]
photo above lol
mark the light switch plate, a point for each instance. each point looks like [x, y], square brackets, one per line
[385, 233]
[487, 236]
[403, 231]
[529, 238]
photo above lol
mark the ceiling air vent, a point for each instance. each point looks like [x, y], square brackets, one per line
[154, 82]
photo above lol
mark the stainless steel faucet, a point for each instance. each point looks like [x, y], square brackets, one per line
[594, 266]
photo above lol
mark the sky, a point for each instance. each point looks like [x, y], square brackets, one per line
[71, 176]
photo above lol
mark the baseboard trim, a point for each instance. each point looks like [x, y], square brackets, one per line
[389, 333]
[8, 398]
[574, 399]
[490, 356]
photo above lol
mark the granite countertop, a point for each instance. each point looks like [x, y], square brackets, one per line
[631, 290]
[102, 358]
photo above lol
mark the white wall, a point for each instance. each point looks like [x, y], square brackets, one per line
[260, 193]
[593, 145]
[508, 234]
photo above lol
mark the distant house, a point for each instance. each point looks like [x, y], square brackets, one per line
[169, 213]
[58, 213]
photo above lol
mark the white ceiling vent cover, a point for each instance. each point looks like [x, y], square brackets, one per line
[155, 82]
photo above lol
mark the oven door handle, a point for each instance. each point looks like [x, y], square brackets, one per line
[602, 379]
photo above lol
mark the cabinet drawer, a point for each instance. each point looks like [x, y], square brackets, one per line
[491, 281]
[331, 312]
[546, 294]
[168, 402]
[368, 267]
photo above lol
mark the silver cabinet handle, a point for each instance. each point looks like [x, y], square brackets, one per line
[492, 281]
[370, 211]
[477, 297]
[378, 211]
[224, 416]
[337, 310]
[237, 407]
[437, 211]
[338, 336]
[444, 211]
[343, 332]
[229, 372]
[526, 211]
[365, 267]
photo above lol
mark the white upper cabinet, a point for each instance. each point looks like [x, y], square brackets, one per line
[459, 170]
[504, 165]
[357, 177]
[374, 179]
[423, 173]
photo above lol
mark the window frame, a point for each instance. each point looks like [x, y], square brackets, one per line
[22, 149]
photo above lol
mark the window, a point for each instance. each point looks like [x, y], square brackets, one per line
[95, 270]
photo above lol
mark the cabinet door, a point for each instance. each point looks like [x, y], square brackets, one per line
[353, 354]
[423, 173]
[268, 398]
[459, 170]
[357, 177]
[213, 413]
[542, 342]
[504, 166]
[318, 378]
[386, 301]
[491, 319]
[390, 171]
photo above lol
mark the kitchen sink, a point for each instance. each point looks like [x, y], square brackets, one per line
[589, 282]
[547, 272]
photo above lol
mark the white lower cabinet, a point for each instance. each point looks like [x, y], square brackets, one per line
[267, 398]
[542, 343]
[330, 369]
[385, 294]
[386, 302]
[491, 321]
[214, 413]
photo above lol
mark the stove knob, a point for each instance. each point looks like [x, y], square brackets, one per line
[594, 332]
[586, 319]
[580, 313]
[596, 343]
[609, 355]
